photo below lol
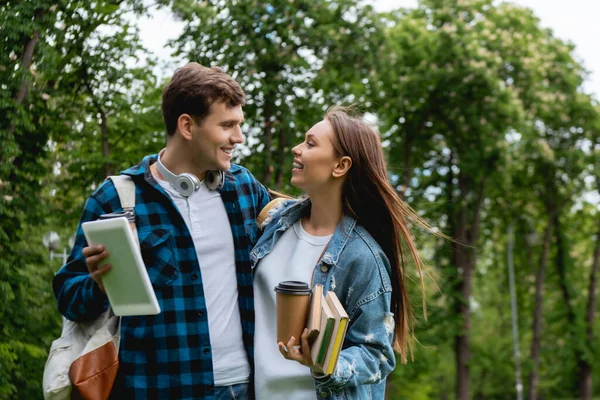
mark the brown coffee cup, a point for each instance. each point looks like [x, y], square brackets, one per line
[292, 300]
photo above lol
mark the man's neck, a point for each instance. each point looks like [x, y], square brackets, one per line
[178, 161]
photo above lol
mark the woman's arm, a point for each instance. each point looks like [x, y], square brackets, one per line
[368, 355]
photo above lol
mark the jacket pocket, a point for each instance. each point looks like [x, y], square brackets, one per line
[157, 251]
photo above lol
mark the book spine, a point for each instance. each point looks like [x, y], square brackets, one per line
[326, 340]
[337, 346]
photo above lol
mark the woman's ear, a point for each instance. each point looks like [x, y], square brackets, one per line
[184, 125]
[342, 167]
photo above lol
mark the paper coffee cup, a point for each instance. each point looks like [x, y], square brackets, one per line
[292, 300]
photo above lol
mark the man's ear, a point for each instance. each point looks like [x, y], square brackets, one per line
[342, 167]
[184, 126]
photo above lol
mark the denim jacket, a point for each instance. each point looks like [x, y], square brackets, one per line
[356, 269]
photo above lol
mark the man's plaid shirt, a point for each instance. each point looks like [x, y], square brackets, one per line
[166, 355]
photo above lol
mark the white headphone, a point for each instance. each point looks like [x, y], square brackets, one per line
[186, 184]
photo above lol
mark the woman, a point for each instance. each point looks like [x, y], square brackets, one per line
[349, 235]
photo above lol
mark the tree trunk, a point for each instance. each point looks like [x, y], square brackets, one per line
[268, 141]
[537, 314]
[561, 266]
[463, 292]
[26, 60]
[585, 385]
[466, 233]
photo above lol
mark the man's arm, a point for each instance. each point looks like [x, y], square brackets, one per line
[79, 297]
[263, 196]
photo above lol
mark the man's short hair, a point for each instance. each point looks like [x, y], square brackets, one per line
[193, 89]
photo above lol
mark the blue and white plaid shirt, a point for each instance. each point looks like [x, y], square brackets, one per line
[166, 355]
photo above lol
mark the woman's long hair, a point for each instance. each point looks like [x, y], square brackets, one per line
[369, 197]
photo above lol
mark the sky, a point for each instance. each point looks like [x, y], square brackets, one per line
[575, 21]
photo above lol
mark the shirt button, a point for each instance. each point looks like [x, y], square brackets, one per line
[211, 386]
[323, 394]
[206, 350]
[201, 313]
[324, 268]
[194, 276]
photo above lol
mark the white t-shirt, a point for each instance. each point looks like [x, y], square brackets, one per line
[293, 258]
[206, 218]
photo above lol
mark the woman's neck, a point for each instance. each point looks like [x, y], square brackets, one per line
[325, 214]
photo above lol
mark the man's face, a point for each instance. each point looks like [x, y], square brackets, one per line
[215, 138]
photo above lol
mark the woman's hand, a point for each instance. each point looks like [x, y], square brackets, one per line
[301, 355]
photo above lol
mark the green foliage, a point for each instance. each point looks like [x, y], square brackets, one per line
[480, 110]
[292, 59]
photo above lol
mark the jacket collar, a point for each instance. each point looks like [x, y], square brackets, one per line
[343, 231]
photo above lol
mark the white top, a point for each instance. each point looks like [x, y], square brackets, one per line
[293, 258]
[206, 218]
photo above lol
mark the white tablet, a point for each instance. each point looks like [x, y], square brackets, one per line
[127, 284]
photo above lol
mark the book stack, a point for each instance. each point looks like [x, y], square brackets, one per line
[327, 324]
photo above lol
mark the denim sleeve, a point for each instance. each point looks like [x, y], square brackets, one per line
[370, 357]
[79, 297]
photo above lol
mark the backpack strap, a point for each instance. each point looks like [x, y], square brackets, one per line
[125, 189]
[263, 217]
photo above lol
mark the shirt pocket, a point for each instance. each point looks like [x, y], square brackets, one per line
[157, 251]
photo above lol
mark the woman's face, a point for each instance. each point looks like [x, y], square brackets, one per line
[315, 158]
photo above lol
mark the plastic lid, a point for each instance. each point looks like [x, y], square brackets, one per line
[293, 287]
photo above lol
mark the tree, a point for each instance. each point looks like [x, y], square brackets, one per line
[459, 79]
[291, 59]
[44, 48]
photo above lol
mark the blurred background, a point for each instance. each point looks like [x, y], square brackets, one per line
[488, 111]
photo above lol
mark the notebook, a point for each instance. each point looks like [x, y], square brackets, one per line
[127, 284]
[319, 348]
[314, 313]
[328, 345]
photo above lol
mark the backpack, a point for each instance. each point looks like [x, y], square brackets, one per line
[86, 354]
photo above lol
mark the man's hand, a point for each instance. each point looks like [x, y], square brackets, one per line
[301, 355]
[93, 255]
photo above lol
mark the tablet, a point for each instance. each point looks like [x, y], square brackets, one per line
[127, 284]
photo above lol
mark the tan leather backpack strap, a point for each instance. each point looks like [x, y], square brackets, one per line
[264, 213]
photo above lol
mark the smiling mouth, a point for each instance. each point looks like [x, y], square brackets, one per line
[228, 151]
[297, 165]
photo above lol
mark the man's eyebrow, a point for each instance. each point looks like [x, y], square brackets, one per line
[232, 122]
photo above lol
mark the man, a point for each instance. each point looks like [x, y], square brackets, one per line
[195, 243]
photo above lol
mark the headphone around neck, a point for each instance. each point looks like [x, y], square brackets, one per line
[186, 184]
